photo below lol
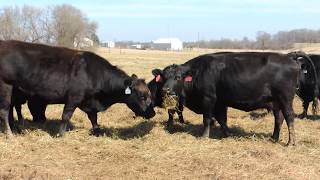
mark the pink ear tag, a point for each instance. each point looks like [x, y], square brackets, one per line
[188, 79]
[158, 78]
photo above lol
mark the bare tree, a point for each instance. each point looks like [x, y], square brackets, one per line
[71, 26]
[62, 25]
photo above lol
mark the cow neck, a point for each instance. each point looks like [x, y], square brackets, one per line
[114, 87]
[155, 89]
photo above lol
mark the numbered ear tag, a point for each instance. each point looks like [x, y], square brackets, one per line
[305, 71]
[127, 91]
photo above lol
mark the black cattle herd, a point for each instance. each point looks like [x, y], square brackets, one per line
[207, 85]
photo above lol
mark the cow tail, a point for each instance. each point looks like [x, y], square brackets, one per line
[315, 104]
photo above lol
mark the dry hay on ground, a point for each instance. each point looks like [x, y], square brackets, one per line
[133, 148]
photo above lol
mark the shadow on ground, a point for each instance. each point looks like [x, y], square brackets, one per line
[254, 115]
[127, 133]
[313, 117]
[215, 133]
[52, 126]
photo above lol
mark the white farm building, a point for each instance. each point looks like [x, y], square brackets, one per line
[110, 44]
[173, 44]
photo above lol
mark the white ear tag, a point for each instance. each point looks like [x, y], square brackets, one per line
[305, 71]
[127, 91]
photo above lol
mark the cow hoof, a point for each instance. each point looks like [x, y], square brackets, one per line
[182, 121]
[205, 134]
[273, 139]
[290, 144]
[16, 128]
[60, 134]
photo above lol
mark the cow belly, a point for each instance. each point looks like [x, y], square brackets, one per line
[250, 106]
[194, 103]
[49, 96]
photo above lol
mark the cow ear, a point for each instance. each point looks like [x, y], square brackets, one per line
[186, 71]
[156, 72]
[128, 82]
[134, 76]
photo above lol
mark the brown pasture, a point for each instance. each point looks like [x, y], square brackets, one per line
[134, 148]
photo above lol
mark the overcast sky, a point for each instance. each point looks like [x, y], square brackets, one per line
[146, 20]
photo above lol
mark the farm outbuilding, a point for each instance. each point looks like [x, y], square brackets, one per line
[167, 44]
[111, 44]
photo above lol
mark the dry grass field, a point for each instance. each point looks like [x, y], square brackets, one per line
[134, 148]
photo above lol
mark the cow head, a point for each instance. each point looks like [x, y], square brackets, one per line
[138, 97]
[155, 86]
[307, 75]
[176, 79]
[307, 80]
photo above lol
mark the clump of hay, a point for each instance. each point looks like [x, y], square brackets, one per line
[170, 102]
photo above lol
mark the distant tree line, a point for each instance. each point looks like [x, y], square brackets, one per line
[62, 25]
[264, 40]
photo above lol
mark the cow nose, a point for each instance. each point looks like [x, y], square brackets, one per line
[166, 90]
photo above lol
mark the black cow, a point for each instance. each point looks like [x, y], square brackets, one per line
[309, 85]
[210, 83]
[59, 75]
[155, 86]
[37, 107]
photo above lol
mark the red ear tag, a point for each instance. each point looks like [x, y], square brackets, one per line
[188, 79]
[158, 78]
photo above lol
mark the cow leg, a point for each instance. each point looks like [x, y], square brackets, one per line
[12, 123]
[5, 103]
[207, 115]
[37, 110]
[10, 116]
[170, 120]
[289, 117]
[221, 116]
[66, 116]
[179, 112]
[19, 114]
[278, 120]
[305, 105]
[95, 127]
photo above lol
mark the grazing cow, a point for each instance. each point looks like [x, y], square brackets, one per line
[211, 83]
[155, 86]
[77, 79]
[309, 84]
